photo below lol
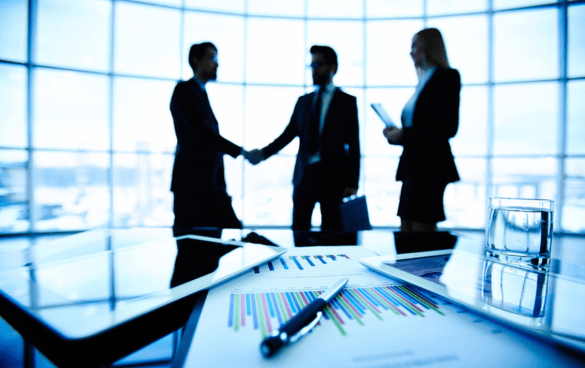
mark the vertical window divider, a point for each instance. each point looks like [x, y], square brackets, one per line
[31, 45]
[111, 113]
[562, 122]
[364, 128]
[244, 90]
[490, 108]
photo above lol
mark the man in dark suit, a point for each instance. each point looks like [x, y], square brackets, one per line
[328, 162]
[198, 181]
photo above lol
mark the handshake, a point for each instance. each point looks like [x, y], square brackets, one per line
[254, 156]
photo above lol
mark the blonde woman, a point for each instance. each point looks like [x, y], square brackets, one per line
[429, 119]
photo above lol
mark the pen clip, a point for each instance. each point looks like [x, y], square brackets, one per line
[303, 331]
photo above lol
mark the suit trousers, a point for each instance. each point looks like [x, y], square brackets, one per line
[210, 210]
[314, 187]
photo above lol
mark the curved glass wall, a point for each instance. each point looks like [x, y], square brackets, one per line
[87, 139]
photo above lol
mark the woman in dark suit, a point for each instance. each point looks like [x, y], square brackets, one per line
[429, 119]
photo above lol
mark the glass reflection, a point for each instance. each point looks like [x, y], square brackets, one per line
[514, 290]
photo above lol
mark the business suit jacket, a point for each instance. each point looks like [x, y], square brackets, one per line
[427, 154]
[198, 164]
[340, 148]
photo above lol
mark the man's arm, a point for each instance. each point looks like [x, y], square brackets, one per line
[191, 121]
[289, 133]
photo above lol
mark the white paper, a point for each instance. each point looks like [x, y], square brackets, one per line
[442, 335]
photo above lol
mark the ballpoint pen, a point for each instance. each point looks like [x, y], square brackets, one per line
[300, 324]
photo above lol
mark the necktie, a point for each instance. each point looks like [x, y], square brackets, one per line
[314, 123]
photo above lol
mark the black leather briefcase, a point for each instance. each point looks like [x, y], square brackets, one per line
[354, 214]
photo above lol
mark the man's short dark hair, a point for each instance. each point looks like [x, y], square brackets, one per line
[327, 52]
[197, 51]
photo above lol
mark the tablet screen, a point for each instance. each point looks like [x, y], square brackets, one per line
[92, 293]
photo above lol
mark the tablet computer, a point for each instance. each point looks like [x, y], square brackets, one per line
[98, 307]
[379, 109]
[535, 302]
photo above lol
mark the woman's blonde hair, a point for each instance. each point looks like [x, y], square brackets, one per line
[433, 47]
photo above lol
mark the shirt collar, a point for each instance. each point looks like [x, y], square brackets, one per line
[199, 83]
[329, 87]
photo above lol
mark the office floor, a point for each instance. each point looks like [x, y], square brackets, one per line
[160, 353]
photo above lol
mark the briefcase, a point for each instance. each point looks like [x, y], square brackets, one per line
[354, 214]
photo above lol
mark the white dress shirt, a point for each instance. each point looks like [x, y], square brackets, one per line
[408, 110]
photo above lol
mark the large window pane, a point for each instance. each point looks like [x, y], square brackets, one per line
[526, 118]
[464, 201]
[346, 38]
[226, 32]
[393, 8]
[147, 40]
[13, 195]
[388, 59]
[381, 189]
[471, 138]
[13, 127]
[275, 51]
[71, 190]
[70, 110]
[231, 6]
[575, 117]
[268, 112]
[142, 195]
[574, 206]
[524, 178]
[526, 45]
[508, 4]
[288, 8]
[467, 51]
[437, 7]
[74, 34]
[142, 120]
[13, 30]
[268, 188]
[576, 41]
[393, 101]
[335, 8]
[227, 102]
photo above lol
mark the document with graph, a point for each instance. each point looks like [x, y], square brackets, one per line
[375, 321]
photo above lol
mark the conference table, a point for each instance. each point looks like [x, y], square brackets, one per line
[116, 284]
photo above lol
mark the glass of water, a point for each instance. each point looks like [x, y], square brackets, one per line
[520, 231]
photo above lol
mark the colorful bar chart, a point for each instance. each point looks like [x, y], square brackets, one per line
[266, 311]
[303, 262]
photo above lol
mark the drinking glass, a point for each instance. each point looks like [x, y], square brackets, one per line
[520, 231]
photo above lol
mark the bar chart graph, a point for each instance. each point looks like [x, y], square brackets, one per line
[267, 311]
[302, 262]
